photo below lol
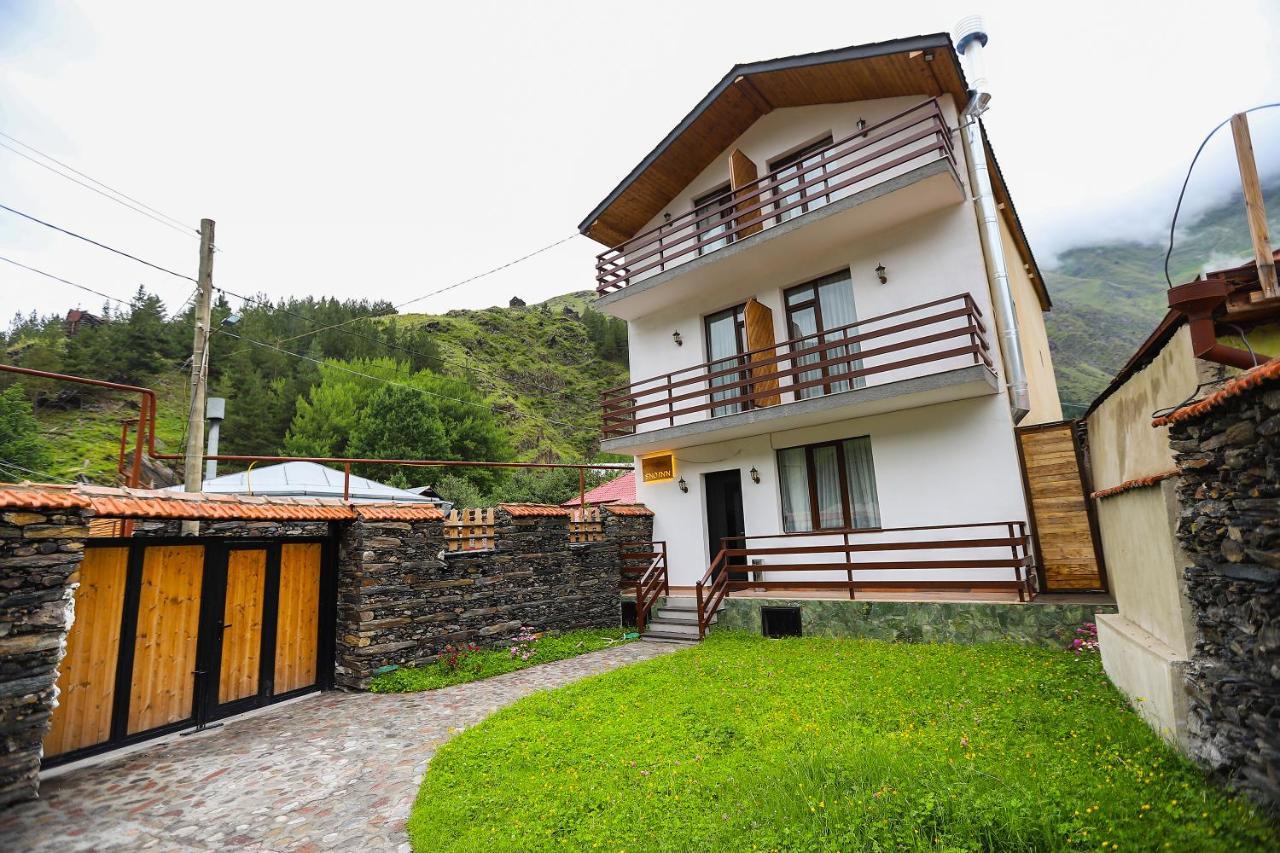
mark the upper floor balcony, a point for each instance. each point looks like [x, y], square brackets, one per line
[930, 353]
[886, 174]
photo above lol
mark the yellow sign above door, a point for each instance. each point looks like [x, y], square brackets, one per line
[658, 467]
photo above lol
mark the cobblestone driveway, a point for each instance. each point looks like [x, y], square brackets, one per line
[334, 772]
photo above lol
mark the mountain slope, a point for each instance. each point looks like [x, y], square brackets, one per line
[1108, 297]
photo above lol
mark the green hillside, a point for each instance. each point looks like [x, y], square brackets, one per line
[1107, 298]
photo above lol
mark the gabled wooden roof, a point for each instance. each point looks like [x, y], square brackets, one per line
[888, 69]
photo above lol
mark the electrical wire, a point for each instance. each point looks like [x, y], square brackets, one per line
[95, 243]
[1178, 207]
[13, 466]
[65, 281]
[344, 369]
[428, 358]
[184, 229]
[476, 277]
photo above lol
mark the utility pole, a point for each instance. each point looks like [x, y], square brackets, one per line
[199, 370]
[1255, 210]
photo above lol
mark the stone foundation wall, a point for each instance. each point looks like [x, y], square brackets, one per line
[402, 598]
[1229, 525]
[236, 529]
[40, 553]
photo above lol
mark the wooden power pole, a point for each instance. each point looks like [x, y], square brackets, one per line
[1255, 210]
[193, 458]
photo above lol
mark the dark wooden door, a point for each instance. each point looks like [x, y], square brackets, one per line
[724, 514]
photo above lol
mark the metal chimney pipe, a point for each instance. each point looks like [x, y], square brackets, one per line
[971, 36]
[216, 412]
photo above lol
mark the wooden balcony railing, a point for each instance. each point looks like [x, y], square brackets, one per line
[831, 361]
[998, 547]
[644, 569]
[912, 137]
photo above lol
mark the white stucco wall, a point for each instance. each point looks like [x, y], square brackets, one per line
[951, 463]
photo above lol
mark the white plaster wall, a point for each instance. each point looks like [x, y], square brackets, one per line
[951, 463]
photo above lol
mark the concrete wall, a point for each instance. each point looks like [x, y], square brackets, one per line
[40, 554]
[945, 464]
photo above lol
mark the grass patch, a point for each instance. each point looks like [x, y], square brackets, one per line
[820, 744]
[486, 664]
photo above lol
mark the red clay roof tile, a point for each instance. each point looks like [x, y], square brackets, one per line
[628, 509]
[535, 510]
[1263, 373]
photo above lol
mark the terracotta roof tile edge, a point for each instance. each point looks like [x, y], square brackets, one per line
[535, 510]
[1250, 379]
[627, 509]
[1135, 483]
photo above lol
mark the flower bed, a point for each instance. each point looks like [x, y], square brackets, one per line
[457, 665]
[821, 744]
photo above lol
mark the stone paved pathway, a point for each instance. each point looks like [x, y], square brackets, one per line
[334, 772]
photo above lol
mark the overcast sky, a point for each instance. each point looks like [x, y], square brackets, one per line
[389, 149]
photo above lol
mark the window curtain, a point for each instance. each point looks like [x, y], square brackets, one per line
[861, 474]
[794, 479]
[722, 343]
[836, 300]
[826, 473]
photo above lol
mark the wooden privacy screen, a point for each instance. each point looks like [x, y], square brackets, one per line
[164, 651]
[743, 171]
[242, 624]
[759, 322]
[298, 615]
[1061, 515]
[469, 529]
[87, 675]
[585, 524]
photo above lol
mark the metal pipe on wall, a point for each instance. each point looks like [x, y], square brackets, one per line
[971, 37]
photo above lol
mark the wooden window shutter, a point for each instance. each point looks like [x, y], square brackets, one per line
[742, 171]
[759, 322]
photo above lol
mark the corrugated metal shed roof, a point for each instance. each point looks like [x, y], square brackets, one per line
[306, 479]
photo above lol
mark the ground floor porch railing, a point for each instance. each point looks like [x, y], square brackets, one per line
[644, 570]
[992, 555]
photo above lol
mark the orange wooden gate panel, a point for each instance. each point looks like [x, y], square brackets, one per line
[242, 624]
[164, 653]
[1061, 515]
[87, 675]
[298, 616]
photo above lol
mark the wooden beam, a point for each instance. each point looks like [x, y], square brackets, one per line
[1255, 210]
[754, 95]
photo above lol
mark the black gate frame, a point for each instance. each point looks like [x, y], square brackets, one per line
[213, 592]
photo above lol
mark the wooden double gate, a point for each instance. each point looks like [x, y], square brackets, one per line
[170, 633]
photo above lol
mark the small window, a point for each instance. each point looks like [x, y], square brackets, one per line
[780, 622]
[829, 486]
[713, 209]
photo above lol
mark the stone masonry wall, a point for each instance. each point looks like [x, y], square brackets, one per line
[40, 553]
[402, 598]
[233, 528]
[1229, 491]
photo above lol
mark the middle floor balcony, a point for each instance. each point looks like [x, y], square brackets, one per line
[925, 354]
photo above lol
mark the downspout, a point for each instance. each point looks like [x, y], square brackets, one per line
[971, 37]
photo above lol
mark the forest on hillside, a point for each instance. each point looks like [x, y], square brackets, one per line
[328, 377]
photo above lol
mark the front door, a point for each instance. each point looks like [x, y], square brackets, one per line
[724, 514]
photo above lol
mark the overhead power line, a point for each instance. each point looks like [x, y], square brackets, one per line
[91, 241]
[475, 277]
[65, 281]
[130, 203]
[344, 369]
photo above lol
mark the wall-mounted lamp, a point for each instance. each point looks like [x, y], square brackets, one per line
[882, 274]
[684, 487]
[862, 124]
[928, 56]
[675, 336]
[755, 474]
[666, 217]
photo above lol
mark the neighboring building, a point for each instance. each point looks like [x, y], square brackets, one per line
[308, 479]
[820, 322]
[77, 320]
[1147, 646]
[619, 490]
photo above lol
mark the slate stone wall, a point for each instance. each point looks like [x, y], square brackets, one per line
[234, 529]
[1229, 525]
[40, 553]
[402, 598]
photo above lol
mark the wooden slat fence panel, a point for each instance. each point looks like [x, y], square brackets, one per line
[469, 529]
[1062, 516]
[585, 524]
[242, 618]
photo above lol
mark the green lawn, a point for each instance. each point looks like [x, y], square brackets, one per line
[486, 664]
[818, 744]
